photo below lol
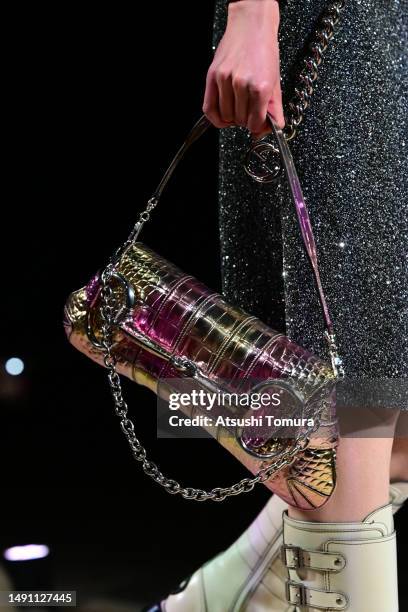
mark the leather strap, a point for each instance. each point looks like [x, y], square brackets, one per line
[298, 594]
[294, 557]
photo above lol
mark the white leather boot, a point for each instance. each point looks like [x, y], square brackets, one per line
[398, 495]
[249, 576]
[234, 580]
[342, 566]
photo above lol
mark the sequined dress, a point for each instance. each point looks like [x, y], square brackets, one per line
[351, 156]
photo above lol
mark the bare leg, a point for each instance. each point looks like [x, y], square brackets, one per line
[363, 476]
[399, 460]
[367, 579]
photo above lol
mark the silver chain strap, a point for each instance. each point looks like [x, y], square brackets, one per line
[297, 108]
[139, 452]
[304, 89]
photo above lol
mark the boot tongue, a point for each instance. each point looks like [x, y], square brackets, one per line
[382, 516]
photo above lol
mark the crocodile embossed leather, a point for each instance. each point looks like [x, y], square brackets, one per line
[144, 318]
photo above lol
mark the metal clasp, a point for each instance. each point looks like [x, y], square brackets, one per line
[296, 558]
[123, 310]
[300, 593]
[336, 360]
[183, 365]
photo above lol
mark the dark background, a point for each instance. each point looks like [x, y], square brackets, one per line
[97, 101]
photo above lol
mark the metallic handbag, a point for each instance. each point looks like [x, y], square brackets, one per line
[144, 318]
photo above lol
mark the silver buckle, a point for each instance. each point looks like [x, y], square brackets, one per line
[300, 596]
[297, 554]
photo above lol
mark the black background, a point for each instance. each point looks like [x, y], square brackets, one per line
[97, 101]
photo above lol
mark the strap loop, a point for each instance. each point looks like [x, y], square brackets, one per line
[298, 594]
[294, 557]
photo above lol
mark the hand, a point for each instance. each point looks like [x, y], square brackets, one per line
[243, 81]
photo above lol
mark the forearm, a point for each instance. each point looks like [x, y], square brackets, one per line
[243, 81]
[266, 12]
[255, 3]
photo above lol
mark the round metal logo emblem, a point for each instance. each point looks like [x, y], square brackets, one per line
[262, 162]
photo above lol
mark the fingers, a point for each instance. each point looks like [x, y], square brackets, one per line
[226, 99]
[260, 126]
[211, 104]
[231, 100]
[258, 107]
[275, 106]
[241, 95]
[225, 96]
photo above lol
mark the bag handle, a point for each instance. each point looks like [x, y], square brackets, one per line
[301, 210]
[297, 107]
[284, 457]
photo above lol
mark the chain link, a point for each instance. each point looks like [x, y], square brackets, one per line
[127, 426]
[304, 89]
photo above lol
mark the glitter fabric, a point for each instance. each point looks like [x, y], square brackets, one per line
[351, 156]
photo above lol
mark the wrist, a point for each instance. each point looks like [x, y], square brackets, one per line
[265, 11]
[254, 3]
